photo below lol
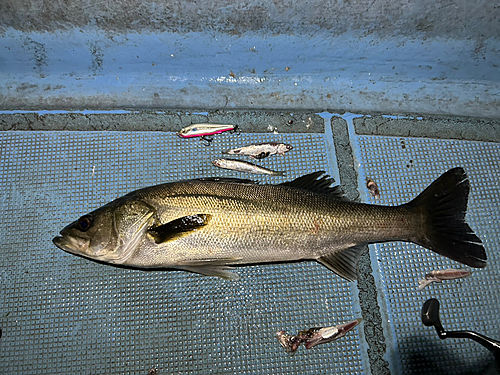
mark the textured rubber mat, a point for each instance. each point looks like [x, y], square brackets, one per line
[63, 314]
[402, 168]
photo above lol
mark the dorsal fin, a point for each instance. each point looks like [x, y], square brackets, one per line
[319, 184]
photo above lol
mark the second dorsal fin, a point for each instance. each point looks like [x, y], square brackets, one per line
[319, 183]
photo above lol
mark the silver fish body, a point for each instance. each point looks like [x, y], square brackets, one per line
[261, 150]
[440, 275]
[208, 225]
[244, 166]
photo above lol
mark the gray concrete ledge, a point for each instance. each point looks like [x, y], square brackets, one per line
[258, 121]
[247, 121]
[473, 129]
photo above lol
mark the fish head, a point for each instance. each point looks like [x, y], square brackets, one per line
[184, 132]
[282, 148]
[110, 233]
[218, 162]
[190, 131]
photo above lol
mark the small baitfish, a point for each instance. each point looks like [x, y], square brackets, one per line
[439, 276]
[261, 150]
[244, 166]
[315, 336]
[204, 130]
[372, 188]
[208, 225]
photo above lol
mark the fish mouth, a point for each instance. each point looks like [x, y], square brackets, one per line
[73, 245]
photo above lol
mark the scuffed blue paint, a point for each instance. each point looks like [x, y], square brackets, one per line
[330, 144]
[324, 115]
[58, 112]
[403, 117]
[85, 69]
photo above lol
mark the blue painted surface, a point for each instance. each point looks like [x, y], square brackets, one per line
[62, 112]
[85, 69]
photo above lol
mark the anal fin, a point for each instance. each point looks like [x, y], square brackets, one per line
[344, 262]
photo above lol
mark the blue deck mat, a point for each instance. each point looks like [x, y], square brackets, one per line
[63, 314]
[402, 168]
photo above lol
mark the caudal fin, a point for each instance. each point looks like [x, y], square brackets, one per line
[444, 205]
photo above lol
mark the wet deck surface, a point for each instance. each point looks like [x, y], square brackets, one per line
[60, 313]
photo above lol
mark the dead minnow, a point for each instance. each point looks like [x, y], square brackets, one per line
[329, 334]
[203, 130]
[439, 276]
[372, 188]
[315, 336]
[210, 224]
[261, 150]
[289, 342]
[244, 166]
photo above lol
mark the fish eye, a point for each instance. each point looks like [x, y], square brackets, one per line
[84, 223]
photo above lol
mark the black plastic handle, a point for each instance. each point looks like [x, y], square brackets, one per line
[430, 317]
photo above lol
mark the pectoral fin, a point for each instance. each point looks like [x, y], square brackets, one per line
[219, 271]
[344, 262]
[178, 228]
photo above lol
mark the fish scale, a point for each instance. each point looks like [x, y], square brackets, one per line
[275, 207]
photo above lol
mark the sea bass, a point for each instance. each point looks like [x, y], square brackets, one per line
[208, 225]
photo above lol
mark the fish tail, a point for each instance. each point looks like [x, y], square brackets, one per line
[443, 206]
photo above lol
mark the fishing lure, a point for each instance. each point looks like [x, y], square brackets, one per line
[204, 130]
